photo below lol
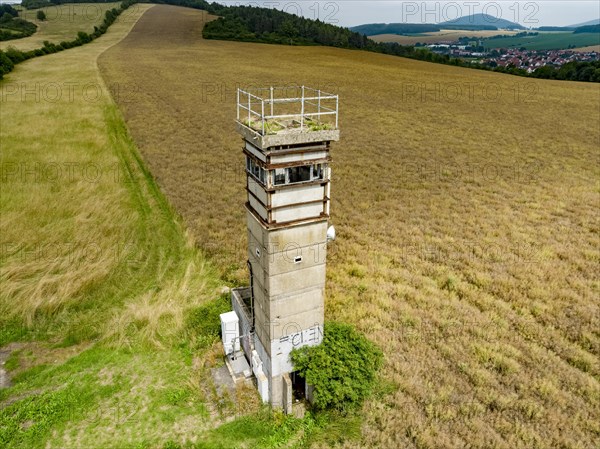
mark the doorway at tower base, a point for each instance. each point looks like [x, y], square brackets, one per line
[271, 366]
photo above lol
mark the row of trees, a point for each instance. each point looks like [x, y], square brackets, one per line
[36, 4]
[571, 71]
[272, 26]
[12, 56]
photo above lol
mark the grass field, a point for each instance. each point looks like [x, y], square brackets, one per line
[546, 41]
[63, 22]
[466, 209]
[543, 41]
[438, 36]
[595, 48]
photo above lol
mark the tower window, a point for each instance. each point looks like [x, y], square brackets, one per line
[279, 177]
[317, 171]
[299, 174]
[256, 170]
[294, 175]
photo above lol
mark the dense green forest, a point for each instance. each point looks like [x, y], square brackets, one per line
[555, 29]
[11, 26]
[588, 29]
[372, 29]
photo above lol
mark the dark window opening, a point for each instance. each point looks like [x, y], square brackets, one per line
[279, 177]
[299, 174]
[256, 170]
[294, 175]
[298, 386]
[317, 172]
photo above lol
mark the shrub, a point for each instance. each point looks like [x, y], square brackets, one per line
[6, 64]
[41, 15]
[342, 369]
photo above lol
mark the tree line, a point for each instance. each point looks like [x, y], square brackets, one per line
[587, 29]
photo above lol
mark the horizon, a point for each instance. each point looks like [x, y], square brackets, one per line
[351, 13]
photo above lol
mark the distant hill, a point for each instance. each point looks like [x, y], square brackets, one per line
[481, 20]
[591, 22]
[371, 29]
[588, 29]
[554, 29]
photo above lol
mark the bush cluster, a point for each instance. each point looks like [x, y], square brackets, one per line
[342, 369]
[13, 27]
[36, 4]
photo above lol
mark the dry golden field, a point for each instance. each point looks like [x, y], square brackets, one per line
[590, 48]
[466, 205]
[438, 36]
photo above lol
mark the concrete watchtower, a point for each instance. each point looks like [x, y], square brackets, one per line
[286, 141]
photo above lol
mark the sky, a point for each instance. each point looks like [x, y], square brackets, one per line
[357, 12]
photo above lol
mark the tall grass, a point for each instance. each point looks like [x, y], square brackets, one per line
[90, 247]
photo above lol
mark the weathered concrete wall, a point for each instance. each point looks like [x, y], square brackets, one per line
[291, 137]
[300, 194]
[287, 250]
[287, 394]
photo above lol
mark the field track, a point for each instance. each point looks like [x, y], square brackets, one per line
[466, 208]
[438, 36]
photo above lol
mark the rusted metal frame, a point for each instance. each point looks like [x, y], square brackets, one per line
[281, 148]
[269, 166]
[324, 160]
[275, 225]
[269, 208]
[273, 188]
[316, 182]
[273, 88]
[312, 149]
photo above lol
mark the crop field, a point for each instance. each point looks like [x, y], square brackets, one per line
[62, 23]
[595, 48]
[438, 36]
[466, 209]
[556, 40]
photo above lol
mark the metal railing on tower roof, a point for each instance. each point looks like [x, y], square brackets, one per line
[275, 110]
